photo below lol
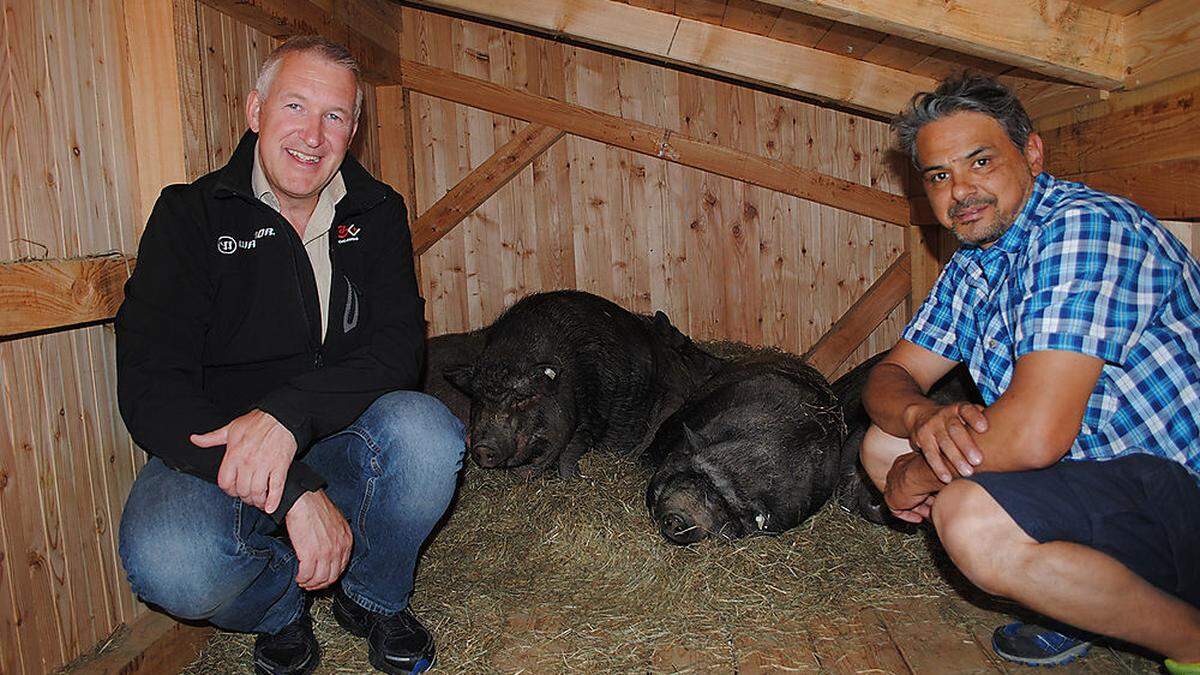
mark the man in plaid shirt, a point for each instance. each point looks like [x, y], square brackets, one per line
[1076, 489]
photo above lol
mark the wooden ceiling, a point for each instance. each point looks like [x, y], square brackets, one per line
[872, 55]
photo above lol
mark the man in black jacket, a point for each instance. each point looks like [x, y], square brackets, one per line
[267, 347]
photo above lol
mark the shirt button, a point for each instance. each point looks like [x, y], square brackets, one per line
[991, 344]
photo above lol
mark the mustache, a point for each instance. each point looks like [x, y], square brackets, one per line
[959, 207]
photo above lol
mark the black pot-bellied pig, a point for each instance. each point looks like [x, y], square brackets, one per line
[565, 372]
[754, 451]
[855, 491]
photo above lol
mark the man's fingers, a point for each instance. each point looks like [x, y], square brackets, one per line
[211, 439]
[907, 516]
[931, 449]
[304, 570]
[955, 447]
[972, 415]
[274, 490]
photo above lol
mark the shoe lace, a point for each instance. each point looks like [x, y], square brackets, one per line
[294, 634]
[399, 625]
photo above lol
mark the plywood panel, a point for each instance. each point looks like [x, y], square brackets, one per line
[723, 259]
[68, 189]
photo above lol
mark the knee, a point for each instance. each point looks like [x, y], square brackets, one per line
[974, 530]
[177, 565]
[414, 432]
[878, 452]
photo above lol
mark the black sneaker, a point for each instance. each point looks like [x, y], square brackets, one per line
[291, 651]
[398, 644]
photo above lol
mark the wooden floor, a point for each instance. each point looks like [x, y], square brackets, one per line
[914, 639]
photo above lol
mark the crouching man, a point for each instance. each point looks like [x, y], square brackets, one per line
[266, 349]
[1075, 491]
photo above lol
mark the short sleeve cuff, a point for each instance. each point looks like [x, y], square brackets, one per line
[942, 344]
[1110, 351]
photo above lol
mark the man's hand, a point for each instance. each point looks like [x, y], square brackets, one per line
[258, 452]
[938, 431]
[321, 538]
[909, 493]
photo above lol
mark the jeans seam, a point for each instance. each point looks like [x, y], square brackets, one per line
[243, 547]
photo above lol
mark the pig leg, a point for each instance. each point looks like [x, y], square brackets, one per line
[568, 461]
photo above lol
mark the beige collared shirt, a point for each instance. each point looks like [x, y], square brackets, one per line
[316, 233]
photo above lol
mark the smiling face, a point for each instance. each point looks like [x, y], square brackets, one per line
[977, 181]
[305, 123]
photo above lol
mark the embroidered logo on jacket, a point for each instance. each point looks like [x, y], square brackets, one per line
[347, 233]
[228, 245]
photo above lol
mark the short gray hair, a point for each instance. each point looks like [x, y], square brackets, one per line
[966, 91]
[330, 51]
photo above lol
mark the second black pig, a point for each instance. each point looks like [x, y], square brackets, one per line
[755, 451]
[565, 372]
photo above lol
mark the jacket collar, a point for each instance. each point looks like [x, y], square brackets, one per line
[235, 179]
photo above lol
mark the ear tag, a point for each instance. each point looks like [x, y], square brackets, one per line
[550, 373]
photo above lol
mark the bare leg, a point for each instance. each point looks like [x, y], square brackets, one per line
[879, 451]
[1069, 582]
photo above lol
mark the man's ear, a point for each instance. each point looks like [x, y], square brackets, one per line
[253, 108]
[1034, 153]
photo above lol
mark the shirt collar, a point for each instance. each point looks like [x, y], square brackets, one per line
[333, 193]
[988, 265]
[1016, 237]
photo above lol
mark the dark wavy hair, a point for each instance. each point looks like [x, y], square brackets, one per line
[968, 91]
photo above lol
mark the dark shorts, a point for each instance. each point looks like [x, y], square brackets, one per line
[1140, 509]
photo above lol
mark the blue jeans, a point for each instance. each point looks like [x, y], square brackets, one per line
[198, 553]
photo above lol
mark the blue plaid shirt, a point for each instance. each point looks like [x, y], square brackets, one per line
[1087, 272]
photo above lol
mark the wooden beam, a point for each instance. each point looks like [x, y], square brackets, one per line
[481, 183]
[396, 149]
[154, 643]
[658, 142]
[1169, 190]
[1059, 38]
[380, 63]
[1163, 40]
[156, 100]
[857, 324]
[49, 294]
[713, 48]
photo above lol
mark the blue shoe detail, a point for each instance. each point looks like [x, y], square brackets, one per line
[1033, 645]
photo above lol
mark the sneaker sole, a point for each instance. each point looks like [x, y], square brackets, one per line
[421, 666]
[1050, 661]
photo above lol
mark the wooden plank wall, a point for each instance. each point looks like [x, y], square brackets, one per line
[66, 461]
[1143, 144]
[724, 259]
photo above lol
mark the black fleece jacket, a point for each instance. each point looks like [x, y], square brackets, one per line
[221, 316]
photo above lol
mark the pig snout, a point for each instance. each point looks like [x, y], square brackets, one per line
[487, 456]
[683, 518]
[678, 528]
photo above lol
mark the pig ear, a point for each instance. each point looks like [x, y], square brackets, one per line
[694, 439]
[461, 377]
